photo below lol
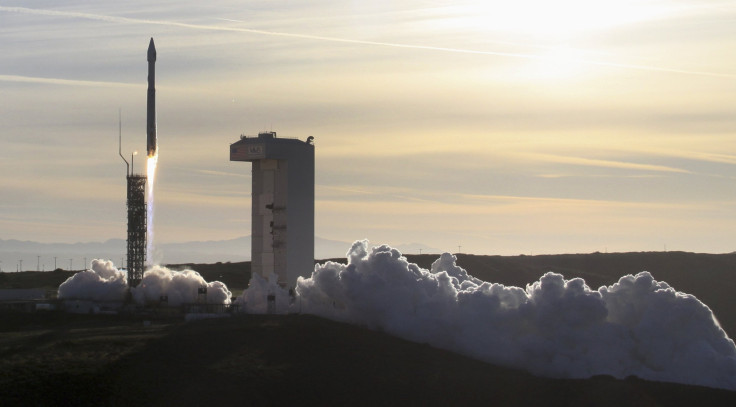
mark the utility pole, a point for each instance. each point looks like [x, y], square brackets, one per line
[70, 264]
[54, 262]
[458, 249]
[38, 263]
[20, 268]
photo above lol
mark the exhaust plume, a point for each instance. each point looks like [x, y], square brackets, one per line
[104, 282]
[553, 327]
[179, 286]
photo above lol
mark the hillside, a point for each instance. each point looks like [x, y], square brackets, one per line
[277, 360]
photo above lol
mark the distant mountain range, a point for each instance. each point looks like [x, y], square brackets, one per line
[47, 256]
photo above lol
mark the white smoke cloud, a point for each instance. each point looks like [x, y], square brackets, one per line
[254, 300]
[179, 286]
[104, 282]
[554, 327]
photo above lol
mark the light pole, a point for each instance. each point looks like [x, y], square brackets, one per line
[20, 268]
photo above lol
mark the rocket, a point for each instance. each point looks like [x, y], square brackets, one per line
[151, 100]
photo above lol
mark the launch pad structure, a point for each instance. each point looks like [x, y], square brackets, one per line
[136, 203]
[137, 231]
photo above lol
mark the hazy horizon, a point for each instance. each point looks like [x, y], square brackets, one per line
[502, 128]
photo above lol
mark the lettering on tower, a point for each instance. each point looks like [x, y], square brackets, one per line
[255, 151]
[247, 152]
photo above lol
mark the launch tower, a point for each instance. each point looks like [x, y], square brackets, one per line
[136, 228]
[282, 209]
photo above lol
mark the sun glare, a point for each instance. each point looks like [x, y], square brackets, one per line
[552, 34]
[559, 19]
[558, 62]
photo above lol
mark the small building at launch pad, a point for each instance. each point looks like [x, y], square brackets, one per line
[282, 211]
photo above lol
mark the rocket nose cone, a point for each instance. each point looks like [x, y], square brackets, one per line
[151, 51]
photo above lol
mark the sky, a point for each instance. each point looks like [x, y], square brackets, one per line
[487, 127]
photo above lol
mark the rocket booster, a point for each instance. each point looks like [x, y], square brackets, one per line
[151, 100]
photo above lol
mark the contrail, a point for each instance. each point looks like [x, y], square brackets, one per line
[115, 19]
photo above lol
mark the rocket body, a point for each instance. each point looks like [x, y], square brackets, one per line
[151, 101]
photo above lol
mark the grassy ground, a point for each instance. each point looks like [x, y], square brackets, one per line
[47, 357]
[66, 360]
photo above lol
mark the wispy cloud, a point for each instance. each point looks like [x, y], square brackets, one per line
[592, 162]
[117, 19]
[66, 82]
[378, 192]
[569, 202]
[223, 173]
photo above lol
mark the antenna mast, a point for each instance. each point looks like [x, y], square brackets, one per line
[120, 142]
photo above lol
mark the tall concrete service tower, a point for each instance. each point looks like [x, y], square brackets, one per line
[282, 212]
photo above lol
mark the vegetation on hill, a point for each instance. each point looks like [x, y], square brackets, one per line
[51, 359]
[49, 280]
